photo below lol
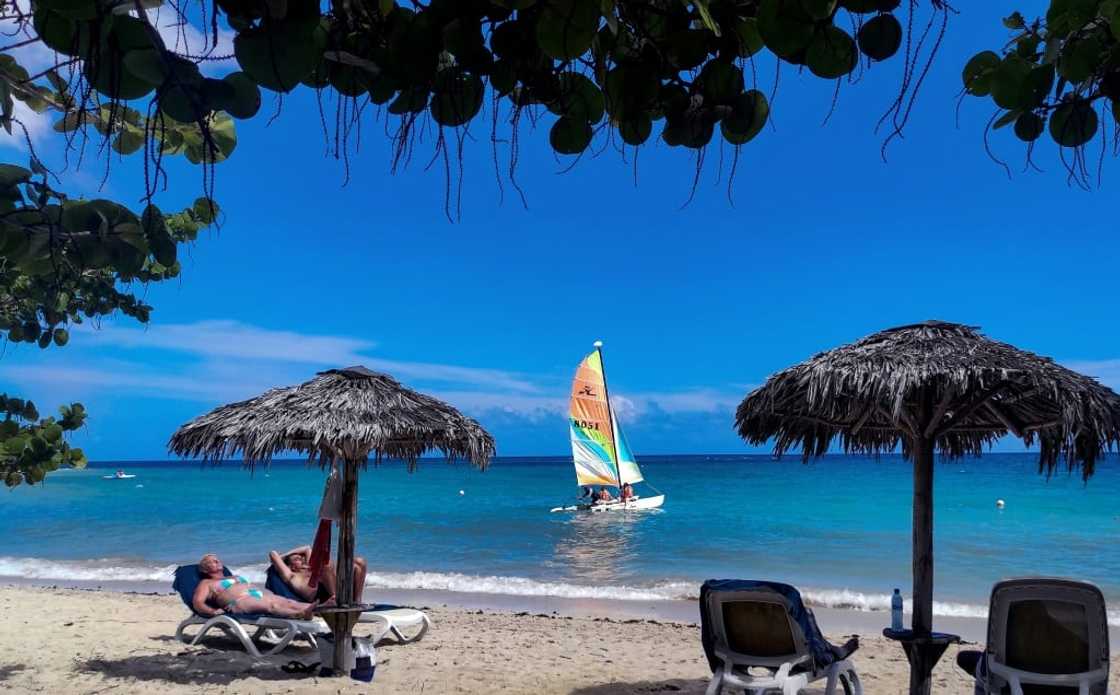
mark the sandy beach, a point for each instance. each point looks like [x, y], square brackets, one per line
[85, 641]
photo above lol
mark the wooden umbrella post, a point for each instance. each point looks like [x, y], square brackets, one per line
[921, 621]
[344, 568]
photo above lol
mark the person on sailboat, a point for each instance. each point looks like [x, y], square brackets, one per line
[626, 493]
[604, 495]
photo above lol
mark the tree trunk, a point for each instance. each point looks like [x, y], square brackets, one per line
[922, 617]
[344, 567]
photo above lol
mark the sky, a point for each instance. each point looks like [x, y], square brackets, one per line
[820, 243]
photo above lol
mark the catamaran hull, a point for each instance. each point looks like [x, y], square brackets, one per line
[634, 505]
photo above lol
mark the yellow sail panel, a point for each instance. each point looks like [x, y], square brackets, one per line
[593, 442]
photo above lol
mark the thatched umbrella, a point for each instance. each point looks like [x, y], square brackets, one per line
[343, 416]
[926, 387]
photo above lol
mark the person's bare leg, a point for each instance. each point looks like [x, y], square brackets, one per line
[359, 578]
[328, 579]
[275, 605]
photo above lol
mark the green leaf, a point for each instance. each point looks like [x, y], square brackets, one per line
[580, 99]
[280, 56]
[749, 40]
[637, 131]
[1029, 126]
[129, 141]
[1079, 59]
[748, 115]
[881, 37]
[457, 99]
[832, 54]
[978, 71]
[720, 82]
[1006, 119]
[784, 28]
[11, 175]
[1073, 124]
[566, 28]
[819, 9]
[570, 136]
[147, 64]
[1014, 21]
[706, 15]
[205, 209]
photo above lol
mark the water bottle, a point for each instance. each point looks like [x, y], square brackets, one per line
[896, 610]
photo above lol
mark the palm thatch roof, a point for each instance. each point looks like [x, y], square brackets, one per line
[347, 413]
[939, 381]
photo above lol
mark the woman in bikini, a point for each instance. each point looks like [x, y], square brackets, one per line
[236, 595]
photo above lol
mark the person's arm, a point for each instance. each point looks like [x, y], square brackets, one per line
[198, 601]
[280, 566]
[304, 550]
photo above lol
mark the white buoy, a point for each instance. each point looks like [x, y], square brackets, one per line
[462, 493]
[999, 504]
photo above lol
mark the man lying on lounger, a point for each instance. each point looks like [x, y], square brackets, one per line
[294, 567]
[236, 595]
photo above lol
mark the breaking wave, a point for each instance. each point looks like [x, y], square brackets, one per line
[116, 570]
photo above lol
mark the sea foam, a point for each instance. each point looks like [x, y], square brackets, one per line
[117, 570]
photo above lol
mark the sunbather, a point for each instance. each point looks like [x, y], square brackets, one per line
[237, 595]
[294, 568]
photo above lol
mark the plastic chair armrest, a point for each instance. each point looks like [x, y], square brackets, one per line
[1016, 677]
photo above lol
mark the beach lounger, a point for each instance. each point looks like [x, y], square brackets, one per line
[760, 637]
[1044, 636]
[283, 630]
[393, 620]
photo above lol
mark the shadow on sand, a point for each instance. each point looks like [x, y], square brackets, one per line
[675, 685]
[8, 670]
[214, 661]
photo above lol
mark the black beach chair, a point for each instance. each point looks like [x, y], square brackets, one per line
[760, 637]
[1045, 637]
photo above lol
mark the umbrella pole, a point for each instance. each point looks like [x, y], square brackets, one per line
[344, 569]
[921, 621]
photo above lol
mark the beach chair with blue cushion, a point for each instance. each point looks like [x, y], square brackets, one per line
[282, 630]
[1045, 635]
[759, 637]
[392, 620]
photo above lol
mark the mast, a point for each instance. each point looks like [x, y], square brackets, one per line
[610, 416]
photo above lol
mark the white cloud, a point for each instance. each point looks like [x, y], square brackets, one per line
[135, 378]
[223, 338]
[189, 39]
[37, 125]
[234, 342]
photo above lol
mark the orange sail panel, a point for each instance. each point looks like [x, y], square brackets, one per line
[593, 442]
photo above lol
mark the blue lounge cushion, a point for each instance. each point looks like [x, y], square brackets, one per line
[187, 579]
[823, 653]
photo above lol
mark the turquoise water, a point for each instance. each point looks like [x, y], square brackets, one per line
[839, 527]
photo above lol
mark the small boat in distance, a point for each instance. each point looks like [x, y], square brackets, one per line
[119, 475]
[599, 449]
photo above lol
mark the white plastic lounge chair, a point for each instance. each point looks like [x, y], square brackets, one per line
[397, 621]
[761, 638]
[1045, 635]
[281, 630]
[394, 620]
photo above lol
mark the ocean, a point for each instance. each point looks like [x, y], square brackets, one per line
[838, 528]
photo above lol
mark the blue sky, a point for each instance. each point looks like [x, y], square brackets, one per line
[824, 243]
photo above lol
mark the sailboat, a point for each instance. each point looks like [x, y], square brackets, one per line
[599, 449]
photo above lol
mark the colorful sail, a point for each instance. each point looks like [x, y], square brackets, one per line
[628, 471]
[599, 448]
